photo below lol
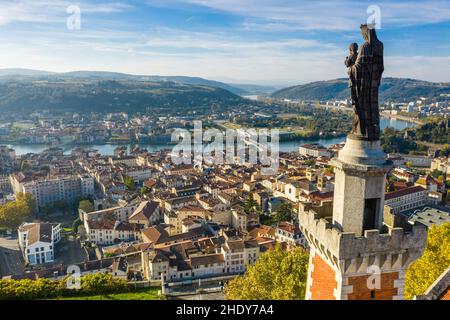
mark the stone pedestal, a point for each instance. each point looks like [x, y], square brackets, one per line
[360, 175]
[362, 152]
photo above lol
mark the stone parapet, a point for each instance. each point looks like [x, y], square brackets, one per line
[393, 250]
[439, 289]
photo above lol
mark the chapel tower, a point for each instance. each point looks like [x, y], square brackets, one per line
[354, 253]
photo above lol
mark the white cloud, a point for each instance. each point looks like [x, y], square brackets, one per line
[324, 14]
[418, 67]
[243, 57]
[46, 11]
[248, 64]
[224, 42]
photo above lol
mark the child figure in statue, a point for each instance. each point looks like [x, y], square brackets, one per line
[349, 62]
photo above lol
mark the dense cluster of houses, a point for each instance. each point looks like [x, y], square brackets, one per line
[175, 222]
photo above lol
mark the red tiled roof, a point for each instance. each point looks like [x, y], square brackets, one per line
[145, 210]
[403, 192]
[110, 225]
[289, 227]
[207, 259]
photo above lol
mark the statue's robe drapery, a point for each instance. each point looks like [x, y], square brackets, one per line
[367, 72]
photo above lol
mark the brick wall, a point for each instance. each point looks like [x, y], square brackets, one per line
[362, 292]
[323, 280]
[445, 295]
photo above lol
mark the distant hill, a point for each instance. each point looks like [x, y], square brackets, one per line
[101, 75]
[23, 72]
[391, 89]
[254, 89]
[201, 81]
[239, 89]
[31, 94]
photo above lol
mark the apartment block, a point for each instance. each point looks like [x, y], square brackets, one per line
[47, 190]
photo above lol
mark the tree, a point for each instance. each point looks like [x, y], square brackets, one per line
[284, 212]
[130, 183]
[393, 179]
[86, 206]
[42, 288]
[276, 275]
[60, 205]
[389, 187]
[329, 169]
[436, 173]
[250, 204]
[445, 151]
[28, 199]
[421, 172]
[144, 190]
[447, 197]
[436, 258]
[30, 289]
[409, 164]
[76, 223]
[13, 214]
[393, 141]
[24, 166]
[45, 210]
[99, 283]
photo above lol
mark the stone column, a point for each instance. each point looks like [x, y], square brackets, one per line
[360, 170]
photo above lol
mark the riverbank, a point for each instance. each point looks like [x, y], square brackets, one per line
[286, 146]
[401, 117]
[296, 138]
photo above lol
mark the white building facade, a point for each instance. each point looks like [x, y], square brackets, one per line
[37, 241]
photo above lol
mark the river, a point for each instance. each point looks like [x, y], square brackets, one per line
[289, 146]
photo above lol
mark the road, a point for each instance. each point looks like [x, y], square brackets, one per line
[203, 296]
[11, 260]
[211, 290]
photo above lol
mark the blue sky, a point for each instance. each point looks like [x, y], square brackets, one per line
[278, 42]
